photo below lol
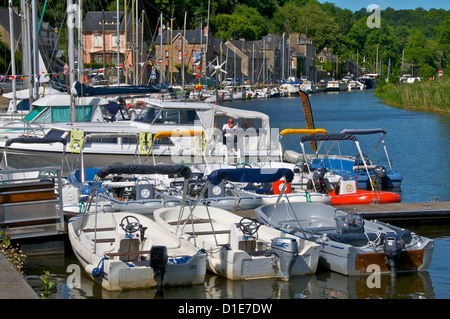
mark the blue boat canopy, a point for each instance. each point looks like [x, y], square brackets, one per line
[251, 175]
[35, 140]
[181, 170]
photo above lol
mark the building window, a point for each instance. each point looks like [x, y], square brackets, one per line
[321, 59]
[166, 54]
[180, 41]
[98, 41]
[194, 54]
[179, 54]
[114, 41]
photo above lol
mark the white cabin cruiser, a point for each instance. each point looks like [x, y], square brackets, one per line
[182, 145]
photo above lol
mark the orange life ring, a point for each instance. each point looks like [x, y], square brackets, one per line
[129, 106]
[139, 105]
[86, 79]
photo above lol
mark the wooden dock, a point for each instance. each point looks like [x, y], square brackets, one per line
[425, 212]
[404, 213]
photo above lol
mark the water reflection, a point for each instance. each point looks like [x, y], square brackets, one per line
[322, 285]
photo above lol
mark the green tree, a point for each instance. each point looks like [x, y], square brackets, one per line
[245, 22]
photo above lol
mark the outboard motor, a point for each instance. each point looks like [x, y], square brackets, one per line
[286, 249]
[393, 246]
[158, 261]
[380, 175]
[319, 179]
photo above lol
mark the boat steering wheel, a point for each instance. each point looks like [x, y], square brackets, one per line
[249, 227]
[130, 226]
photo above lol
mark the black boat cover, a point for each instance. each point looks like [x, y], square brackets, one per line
[363, 131]
[86, 90]
[181, 170]
[251, 175]
[40, 140]
[327, 137]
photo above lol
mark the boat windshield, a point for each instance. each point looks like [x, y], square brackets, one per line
[57, 114]
[167, 116]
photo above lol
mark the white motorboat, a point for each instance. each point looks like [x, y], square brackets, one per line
[55, 108]
[138, 190]
[132, 188]
[180, 119]
[367, 174]
[333, 86]
[349, 244]
[236, 249]
[124, 250]
[250, 188]
[127, 251]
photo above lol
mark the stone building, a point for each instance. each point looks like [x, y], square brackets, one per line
[303, 55]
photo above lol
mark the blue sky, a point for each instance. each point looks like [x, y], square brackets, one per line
[395, 4]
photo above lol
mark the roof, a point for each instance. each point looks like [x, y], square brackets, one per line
[93, 21]
[191, 36]
[4, 22]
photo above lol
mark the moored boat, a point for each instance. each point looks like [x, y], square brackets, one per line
[125, 250]
[348, 194]
[128, 251]
[238, 250]
[349, 244]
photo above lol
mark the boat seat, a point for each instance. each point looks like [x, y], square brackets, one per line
[128, 253]
[189, 221]
[91, 230]
[127, 245]
[209, 232]
[104, 240]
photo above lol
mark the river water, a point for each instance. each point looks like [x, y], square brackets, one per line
[419, 148]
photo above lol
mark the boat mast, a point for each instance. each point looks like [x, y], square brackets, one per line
[80, 40]
[70, 25]
[182, 51]
[118, 41]
[13, 59]
[35, 50]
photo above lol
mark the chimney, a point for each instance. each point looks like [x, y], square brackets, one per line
[205, 31]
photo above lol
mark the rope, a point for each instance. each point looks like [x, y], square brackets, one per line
[97, 271]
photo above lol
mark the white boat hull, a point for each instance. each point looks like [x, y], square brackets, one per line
[237, 262]
[346, 253]
[118, 274]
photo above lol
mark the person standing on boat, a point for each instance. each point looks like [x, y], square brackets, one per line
[228, 131]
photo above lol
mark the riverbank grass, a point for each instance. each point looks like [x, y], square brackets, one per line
[428, 96]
